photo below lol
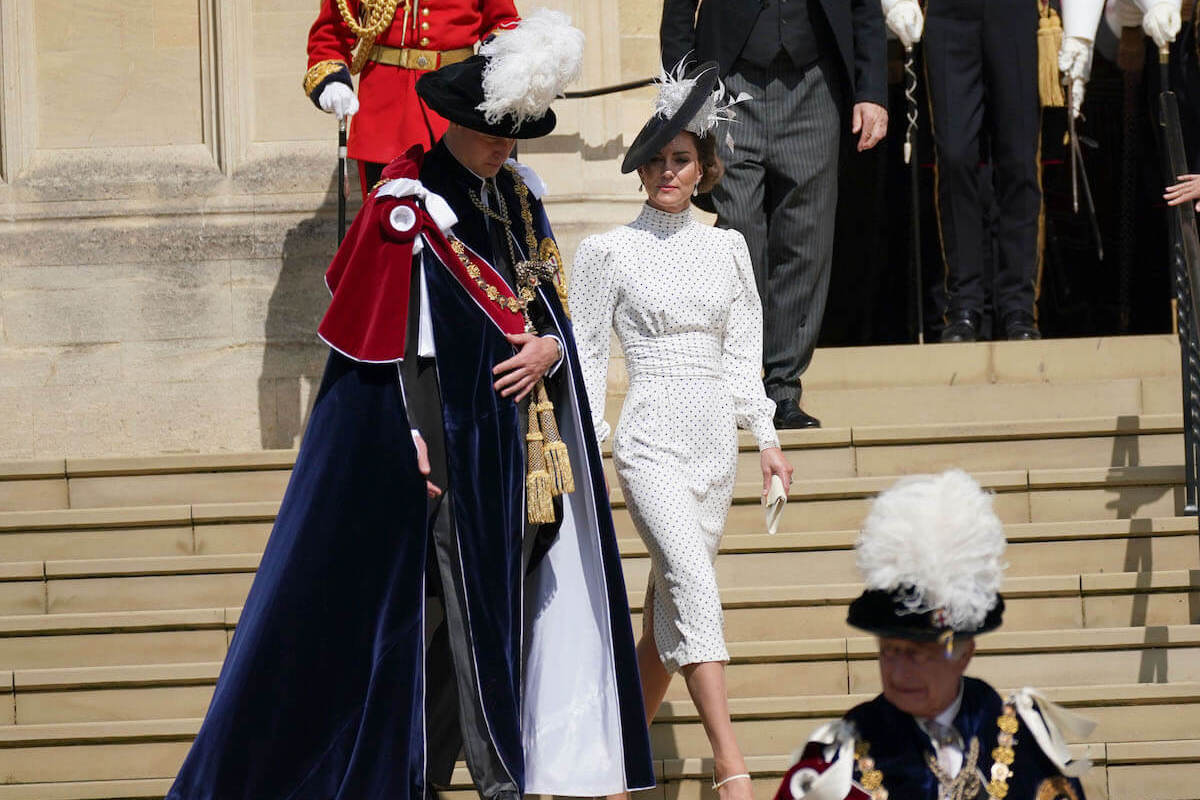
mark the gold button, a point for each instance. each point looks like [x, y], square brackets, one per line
[424, 26]
[424, 41]
[422, 62]
[424, 12]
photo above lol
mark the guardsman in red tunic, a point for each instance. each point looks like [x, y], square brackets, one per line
[397, 42]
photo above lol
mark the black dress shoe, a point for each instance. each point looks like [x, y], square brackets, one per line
[961, 326]
[790, 415]
[1020, 326]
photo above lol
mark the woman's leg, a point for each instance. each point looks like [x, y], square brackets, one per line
[706, 685]
[655, 678]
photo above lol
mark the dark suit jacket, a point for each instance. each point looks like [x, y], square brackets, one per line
[721, 29]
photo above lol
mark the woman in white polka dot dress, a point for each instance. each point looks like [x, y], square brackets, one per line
[682, 298]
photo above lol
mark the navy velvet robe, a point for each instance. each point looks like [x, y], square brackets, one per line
[321, 696]
[899, 747]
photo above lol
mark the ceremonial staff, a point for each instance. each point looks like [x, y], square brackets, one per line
[910, 158]
[1079, 174]
[341, 179]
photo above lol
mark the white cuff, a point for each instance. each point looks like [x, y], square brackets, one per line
[562, 354]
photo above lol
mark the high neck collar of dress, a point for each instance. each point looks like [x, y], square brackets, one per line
[664, 222]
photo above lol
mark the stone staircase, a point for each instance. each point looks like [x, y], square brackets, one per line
[121, 580]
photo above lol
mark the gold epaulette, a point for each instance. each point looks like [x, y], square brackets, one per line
[320, 71]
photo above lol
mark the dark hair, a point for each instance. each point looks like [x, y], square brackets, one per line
[710, 162]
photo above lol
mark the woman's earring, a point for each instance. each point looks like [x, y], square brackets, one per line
[696, 189]
[641, 188]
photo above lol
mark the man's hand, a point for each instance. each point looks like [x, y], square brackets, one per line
[1075, 64]
[1162, 22]
[870, 120]
[1186, 190]
[423, 465]
[338, 99]
[904, 19]
[519, 374]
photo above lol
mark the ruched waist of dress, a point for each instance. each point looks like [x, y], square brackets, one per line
[693, 355]
[701, 372]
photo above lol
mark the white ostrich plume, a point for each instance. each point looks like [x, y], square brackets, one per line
[673, 89]
[529, 66]
[937, 540]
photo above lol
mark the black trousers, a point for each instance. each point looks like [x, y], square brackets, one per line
[981, 68]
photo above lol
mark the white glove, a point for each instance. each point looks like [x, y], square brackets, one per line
[337, 98]
[1161, 23]
[905, 20]
[1075, 64]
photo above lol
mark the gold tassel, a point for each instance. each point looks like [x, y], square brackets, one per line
[554, 449]
[539, 486]
[1049, 39]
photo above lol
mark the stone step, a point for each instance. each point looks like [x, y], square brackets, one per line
[755, 607]
[789, 562]
[682, 778]
[1036, 495]
[1048, 361]
[789, 665]
[1114, 545]
[999, 401]
[1129, 713]
[679, 779]
[831, 452]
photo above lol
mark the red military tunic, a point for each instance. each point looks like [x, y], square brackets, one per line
[391, 118]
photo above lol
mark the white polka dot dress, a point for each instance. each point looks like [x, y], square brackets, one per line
[682, 298]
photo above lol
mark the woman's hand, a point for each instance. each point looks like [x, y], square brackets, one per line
[1186, 190]
[773, 463]
[519, 374]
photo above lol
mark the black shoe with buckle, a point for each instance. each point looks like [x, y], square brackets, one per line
[789, 415]
[1020, 326]
[961, 326]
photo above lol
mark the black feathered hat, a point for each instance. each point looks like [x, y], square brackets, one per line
[930, 554]
[682, 96]
[507, 87]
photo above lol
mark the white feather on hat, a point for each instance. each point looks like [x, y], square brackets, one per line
[529, 66]
[936, 540]
[674, 88]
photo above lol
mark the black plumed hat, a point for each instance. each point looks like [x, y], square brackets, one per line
[884, 613]
[456, 92]
[507, 87]
[662, 127]
[930, 552]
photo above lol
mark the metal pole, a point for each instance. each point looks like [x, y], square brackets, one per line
[910, 158]
[341, 181]
[1185, 263]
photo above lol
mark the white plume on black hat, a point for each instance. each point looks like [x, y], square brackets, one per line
[934, 544]
[530, 65]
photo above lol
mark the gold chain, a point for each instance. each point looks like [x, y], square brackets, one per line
[1003, 755]
[377, 18]
[964, 786]
[517, 304]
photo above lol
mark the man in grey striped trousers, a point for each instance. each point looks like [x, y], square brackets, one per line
[805, 64]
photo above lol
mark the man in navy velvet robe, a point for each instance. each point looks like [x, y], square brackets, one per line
[930, 552]
[404, 606]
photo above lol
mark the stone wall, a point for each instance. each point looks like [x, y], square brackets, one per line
[169, 203]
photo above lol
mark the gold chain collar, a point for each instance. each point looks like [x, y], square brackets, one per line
[529, 273]
[1003, 755]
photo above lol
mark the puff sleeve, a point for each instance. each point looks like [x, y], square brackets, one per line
[741, 357]
[592, 298]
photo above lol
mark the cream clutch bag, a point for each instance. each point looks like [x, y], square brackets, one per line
[773, 504]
